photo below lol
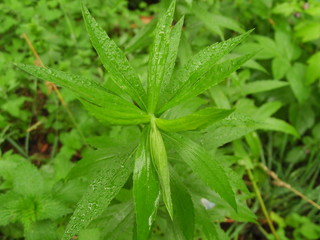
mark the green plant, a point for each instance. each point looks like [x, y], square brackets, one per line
[164, 91]
[166, 161]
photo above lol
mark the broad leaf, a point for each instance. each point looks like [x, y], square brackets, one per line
[195, 86]
[193, 121]
[105, 106]
[159, 57]
[208, 169]
[114, 60]
[102, 190]
[183, 224]
[200, 64]
[160, 161]
[146, 189]
[297, 80]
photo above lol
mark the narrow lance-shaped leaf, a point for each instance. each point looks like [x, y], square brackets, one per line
[159, 57]
[171, 58]
[216, 74]
[146, 189]
[207, 169]
[115, 117]
[102, 190]
[160, 161]
[114, 60]
[201, 118]
[183, 209]
[201, 63]
[104, 105]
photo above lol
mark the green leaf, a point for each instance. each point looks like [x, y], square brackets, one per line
[115, 117]
[171, 59]
[209, 229]
[200, 64]
[27, 180]
[9, 202]
[92, 234]
[159, 57]
[208, 18]
[308, 30]
[193, 121]
[183, 223]
[266, 110]
[196, 86]
[106, 106]
[262, 86]
[142, 38]
[114, 60]
[278, 125]
[227, 130]
[207, 169]
[41, 230]
[280, 67]
[117, 222]
[313, 70]
[160, 161]
[101, 191]
[296, 78]
[146, 189]
[94, 160]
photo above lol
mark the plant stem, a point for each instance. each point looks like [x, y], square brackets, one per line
[263, 206]
[281, 183]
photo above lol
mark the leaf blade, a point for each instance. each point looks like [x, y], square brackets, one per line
[211, 172]
[98, 196]
[212, 77]
[193, 121]
[114, 60]
[201, 63]
[158, 57]
[183, 209]
[146, 189]
[94, 97]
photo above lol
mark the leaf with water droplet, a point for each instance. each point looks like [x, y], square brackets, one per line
[171, 59]
[106, 106]
[146, 189]
[212, 77]
[101, 191]
[114, 60]
[193, 121]
[158, 59]
[199, 65]
[209, 170]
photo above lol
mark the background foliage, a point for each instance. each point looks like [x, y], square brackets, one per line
[41, 144]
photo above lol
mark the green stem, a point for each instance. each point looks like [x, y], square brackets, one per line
[263, 206]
